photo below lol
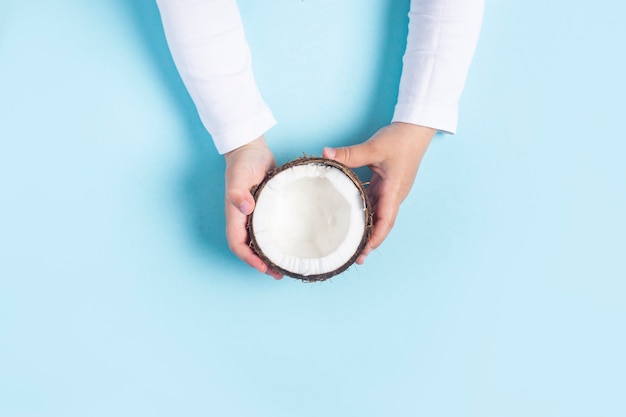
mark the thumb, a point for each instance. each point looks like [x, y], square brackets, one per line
[352, 156]
[238, 194]
[242, 200]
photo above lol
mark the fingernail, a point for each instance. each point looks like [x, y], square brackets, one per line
[244, 207]
[330, 152]
[273, 274]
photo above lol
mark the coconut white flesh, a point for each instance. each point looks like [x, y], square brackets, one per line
[309, 219]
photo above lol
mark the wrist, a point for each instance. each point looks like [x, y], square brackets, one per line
[412, 139]
[258, 143]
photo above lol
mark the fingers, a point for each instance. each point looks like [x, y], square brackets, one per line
[245, 168]
[240, 199]
[237, 237]
[361, 259]
[393, 154]
[384, 219]
[239, 205]
[238, 183]
[274, 274]
[386, 201]
[382, 228]
[353, 156]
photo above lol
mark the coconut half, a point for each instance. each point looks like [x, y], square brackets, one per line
[312, 219]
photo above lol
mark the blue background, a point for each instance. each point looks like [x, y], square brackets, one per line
[500, 292]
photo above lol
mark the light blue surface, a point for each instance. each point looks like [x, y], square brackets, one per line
[500, 292]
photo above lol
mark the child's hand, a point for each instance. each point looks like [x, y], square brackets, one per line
[393, 154]
[245, 167]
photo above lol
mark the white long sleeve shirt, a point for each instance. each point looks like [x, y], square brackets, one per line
[207, 42]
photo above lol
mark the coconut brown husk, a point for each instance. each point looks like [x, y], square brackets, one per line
[368, 217]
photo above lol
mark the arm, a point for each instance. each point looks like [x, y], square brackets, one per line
[208, 44]
[440, 46]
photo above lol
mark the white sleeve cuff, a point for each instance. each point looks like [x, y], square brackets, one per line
[442, 119]
[440, 46]
[243, 132]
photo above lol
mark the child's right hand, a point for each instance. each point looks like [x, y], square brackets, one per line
[246, 167]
